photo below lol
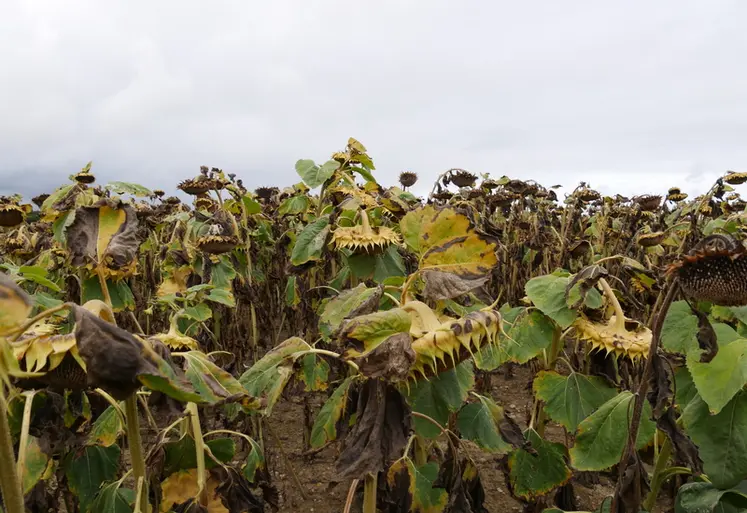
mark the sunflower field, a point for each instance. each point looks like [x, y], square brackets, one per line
[342, 345]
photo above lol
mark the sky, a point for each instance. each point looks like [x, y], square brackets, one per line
[632, 97]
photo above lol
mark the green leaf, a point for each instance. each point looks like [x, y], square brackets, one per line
[36, 465]
[548, 294]
[222, 296]
[114, 499]
[314, 175]
[372, 329]
[338, 308]
[720, 379]
[267, 378]
[107, 429]
[161, 377]
[88, 469]
[120, 292]
[529, 337]
[424, 498]
[129, 188]
[199, 312]
[45, 301]
[440, 396]
[314, 373]
[39, 276]
[251, 205]
[325, 426]
[535, 475]
[570, 399]
[721, 439]
[479, 422]
[678, 333]
[182, 454]
[294, 205]
[704, 497]
[310, 242]
[254, 461]
[601, 437]
[686, 390]
[292, 297]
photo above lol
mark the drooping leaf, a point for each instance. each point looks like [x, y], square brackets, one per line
[294, 205]
[325, 425]
[314, 175]
[721, 438]
[705, 497]
[251, 205]
[548, 294]
[685, 388]
[38, 275]
[601, 437]
[182, 454]
[267, 378]
[107, 428]
[479, 422]
[36, 465]
[255, 461]
[314, 373]
[90, 468]
[15, 305]
[214, 384]
[429, 226]
[533, 475]
[417, 484]
[182, 486]
[580, 288]
[349, 303]
[365, 332]
[570, 399]
[113, 498]
[292, 296]
[129, 188]
[720, 379]
[440, 396]
[311, 242]
[222, 296]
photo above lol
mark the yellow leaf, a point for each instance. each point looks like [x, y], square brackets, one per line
[110, 220]
[182, 486]
[15, 305]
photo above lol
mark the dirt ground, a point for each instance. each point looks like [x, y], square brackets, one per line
[316, 472]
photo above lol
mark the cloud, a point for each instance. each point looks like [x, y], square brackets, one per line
[632, 97]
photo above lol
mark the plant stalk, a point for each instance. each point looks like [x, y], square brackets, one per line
[10, 482]
[135, 443]
[657, 478]
[369, 494]
[194, 416]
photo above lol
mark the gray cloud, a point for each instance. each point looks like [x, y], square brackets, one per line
[632, 97]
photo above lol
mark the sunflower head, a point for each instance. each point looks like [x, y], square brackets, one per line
[217, 244]
[11, 215]
[734, 178]
[265, 193]
[648, 240]
[714, 270]
[587, 195]
[648, 202]
[199, 185]
[462, 178]
[364, 238]
[40, 199]
[633, 340]
[204, 204]
[408, 178]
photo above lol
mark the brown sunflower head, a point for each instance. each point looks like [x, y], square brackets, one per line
[518, 186]
[408, 178]
[734, 178]
[462, 178]
[715, 270]
[196, 186]
[172, 200]
[579, 248]
[217, 244]
[40, 199]
[648, 240]
[159, 193]
[204, 204]
[648, 202]
[11, 215]
[266, 192]
[85, 177]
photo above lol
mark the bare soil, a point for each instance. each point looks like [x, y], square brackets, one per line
[317, 471]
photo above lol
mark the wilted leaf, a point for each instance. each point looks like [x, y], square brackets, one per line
[325, 426]
[105, 234]
[479, 422]
[365, 332]
[87, 470]
[129, 188]
[36, 465]
[311, 242]
[314, 373]
[429, 226]
[182, 486]
[580, 287]
[38, 275]
[114, 499]
[533, 475]
[294, 205]
[380, 432]
[106, 429]
[182, 454]
[360, 300]
[15, 305]
[214, 384]
[292, 296]
[601, 437]
[390, 360]
[442, 285]
[416, 484]
[570, 399]
[268, 376]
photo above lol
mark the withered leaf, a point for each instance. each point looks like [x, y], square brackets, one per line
[390, 360]
[660, 394]
[584, 280]
[512, 433]
[235, 491]
[706, 337]
[442, 285]
[685, 452]
[634, 485]
[461, 480]
[379, 435]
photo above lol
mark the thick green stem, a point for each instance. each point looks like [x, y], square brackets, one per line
[136, 445]
[619, 315]
[657, 478]
[369, 494]
[194, 416]
[10, 482]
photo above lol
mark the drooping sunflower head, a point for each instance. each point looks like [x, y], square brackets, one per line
[734, 178]
[265, 192]
[199, 185]
[648, 240]
[408, 178]
[587, 194]
[11, 215]
[675, 194]
[462, 178]
[205, 204]
[217, 244]
[364, 238]
[633, 342]
[714, 270]
[40, 199]
[648, 202]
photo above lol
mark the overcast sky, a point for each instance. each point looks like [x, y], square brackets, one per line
[632, 96]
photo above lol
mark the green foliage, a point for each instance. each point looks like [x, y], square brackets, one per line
[533, 475]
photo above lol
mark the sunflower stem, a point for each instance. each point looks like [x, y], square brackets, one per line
[136, 446]
[10, 482]
[194, 416]
[619, 315]
[369, 494]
